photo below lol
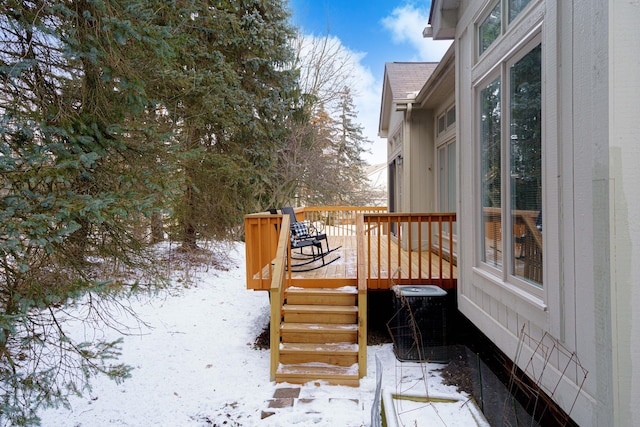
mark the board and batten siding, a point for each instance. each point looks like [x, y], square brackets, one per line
[624, 176]
[582, 305]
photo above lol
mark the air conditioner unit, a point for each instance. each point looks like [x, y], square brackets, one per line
[419, 326]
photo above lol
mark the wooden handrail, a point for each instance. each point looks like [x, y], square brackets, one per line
[276, 295]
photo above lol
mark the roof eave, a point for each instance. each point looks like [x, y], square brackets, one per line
[443, 18]
[385, 107]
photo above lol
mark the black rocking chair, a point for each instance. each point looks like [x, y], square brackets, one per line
[302, 236]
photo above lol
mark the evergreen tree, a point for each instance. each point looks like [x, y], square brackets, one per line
[348, 150]
[227, 93]
[81, 165]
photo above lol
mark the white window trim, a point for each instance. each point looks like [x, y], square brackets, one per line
[522, 21]
[519, 37]
[506, 184]
[449, 130]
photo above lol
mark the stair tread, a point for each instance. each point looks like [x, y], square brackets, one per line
[343, 347]
[319, 326]
[348, 290]
[319, 370]
[319, 336]
[321, 308]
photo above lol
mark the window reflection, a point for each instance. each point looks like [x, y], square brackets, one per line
[490, 29]
[525, 156]
[491, 173]
[515, 7]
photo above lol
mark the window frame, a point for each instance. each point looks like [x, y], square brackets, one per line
[506, 23]
[446, 145]
[442, 118]
[488, 73]
[479, 216]
[509, 246]
[489, 8]
[395, 170]
[443, 139]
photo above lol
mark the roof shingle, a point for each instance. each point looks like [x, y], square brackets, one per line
[406, 78]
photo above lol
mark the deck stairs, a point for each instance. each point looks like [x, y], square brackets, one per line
[319, 336]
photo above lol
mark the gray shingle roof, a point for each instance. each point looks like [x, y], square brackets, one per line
[407, 78]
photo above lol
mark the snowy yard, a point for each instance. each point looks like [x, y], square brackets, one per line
[197, 366]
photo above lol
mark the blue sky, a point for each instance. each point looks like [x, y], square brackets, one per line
[375, 32]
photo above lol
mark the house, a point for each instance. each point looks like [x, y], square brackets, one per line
[417, 117]
[528, 129]
[319, 305]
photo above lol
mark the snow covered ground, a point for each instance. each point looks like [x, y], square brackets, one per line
[197, 366]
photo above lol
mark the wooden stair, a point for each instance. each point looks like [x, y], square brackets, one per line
[319, 336]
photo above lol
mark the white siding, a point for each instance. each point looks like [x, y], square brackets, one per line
[624, 161]
[576, 310]
[422, 160]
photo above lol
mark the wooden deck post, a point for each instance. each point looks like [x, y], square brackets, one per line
[276, 294]
[362, 297]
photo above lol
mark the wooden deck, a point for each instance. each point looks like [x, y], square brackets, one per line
[374, 260]
[345, 268]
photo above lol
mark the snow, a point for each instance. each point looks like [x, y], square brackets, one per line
[196, 365]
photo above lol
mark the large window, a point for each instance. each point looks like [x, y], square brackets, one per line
[446, 161]
[525, 160]
[490, 172]
[510, 154]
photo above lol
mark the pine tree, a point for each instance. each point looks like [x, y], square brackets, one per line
[81, 164]
[348, 150]
[227, 94]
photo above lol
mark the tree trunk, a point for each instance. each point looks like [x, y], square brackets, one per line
[157, 231]
[189, 232]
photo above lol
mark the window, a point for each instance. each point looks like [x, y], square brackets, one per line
[490, 28]
[442, 125]
[490, 172]
[515, 7]
[525, 160]
[451, 117]
[492, 25]
[510, 155]
[446, 121]
[447, 177]
[395, 175]
[446, 155]
[395, 189]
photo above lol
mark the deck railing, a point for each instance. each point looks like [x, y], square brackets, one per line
[399, 248]
[410, 248]
[261, 232]
[336, 220]
[261, 235]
